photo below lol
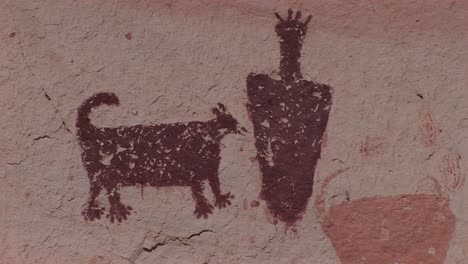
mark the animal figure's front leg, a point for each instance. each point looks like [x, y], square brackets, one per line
[221, 200]
[118, 211]
[202, 206]
[93, 210]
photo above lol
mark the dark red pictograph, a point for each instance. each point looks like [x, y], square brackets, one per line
[289, 117]
[176, 154]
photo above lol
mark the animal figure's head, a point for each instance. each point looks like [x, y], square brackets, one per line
[226, 121]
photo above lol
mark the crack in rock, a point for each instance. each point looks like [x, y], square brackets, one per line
[182, 240]
[42, 137]
[15, 163]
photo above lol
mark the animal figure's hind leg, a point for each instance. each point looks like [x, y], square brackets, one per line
[221, 200]
[117, 211]
[202, 206]
[93, 210]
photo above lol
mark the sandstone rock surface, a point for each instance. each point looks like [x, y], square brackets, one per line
[399, 118]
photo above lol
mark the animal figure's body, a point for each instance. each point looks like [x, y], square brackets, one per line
[177, 154]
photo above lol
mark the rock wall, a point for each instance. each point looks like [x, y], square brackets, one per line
[147, 131]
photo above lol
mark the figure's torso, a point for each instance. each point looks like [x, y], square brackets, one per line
[159, 155]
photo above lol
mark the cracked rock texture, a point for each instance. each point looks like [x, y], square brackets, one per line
[399, 117]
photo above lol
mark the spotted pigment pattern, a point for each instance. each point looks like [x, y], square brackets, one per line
[289, 116]
[177, 154]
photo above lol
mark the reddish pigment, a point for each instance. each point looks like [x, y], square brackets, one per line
[427, 127]
[400, 229]
[163, 155]
[452, 176]
[289, 117]
[254, 203]
[413, 228]
[371, 147]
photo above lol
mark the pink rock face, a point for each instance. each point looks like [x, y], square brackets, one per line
[413, 228]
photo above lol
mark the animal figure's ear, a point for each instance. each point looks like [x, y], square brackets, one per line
[215, 111]
[222, 107]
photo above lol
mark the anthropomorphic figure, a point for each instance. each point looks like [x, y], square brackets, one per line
[289, 117]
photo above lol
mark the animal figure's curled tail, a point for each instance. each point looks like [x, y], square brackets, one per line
[83, 123]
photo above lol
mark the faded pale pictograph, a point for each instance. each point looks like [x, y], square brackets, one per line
[409, 228]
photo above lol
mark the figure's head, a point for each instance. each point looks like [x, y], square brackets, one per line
[226, 120]
[292, 29]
